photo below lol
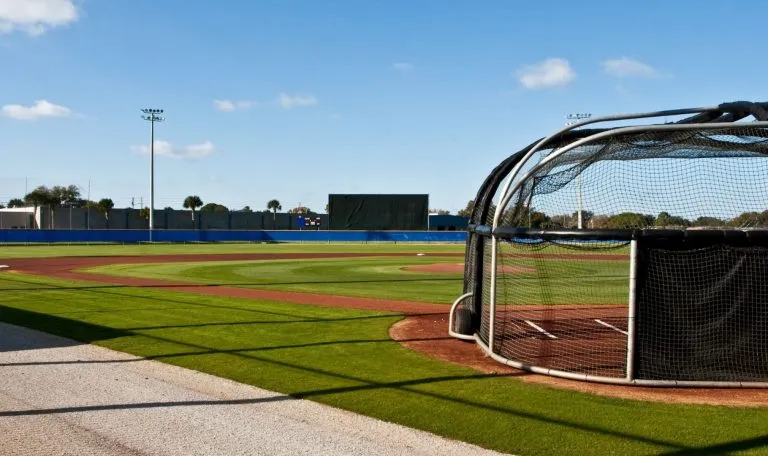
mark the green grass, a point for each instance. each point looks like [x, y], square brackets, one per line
[375, 277]
[344, 358]
[571, 281]
[556, 281]
[45, 251]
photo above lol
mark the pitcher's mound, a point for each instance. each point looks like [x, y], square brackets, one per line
[458, 268]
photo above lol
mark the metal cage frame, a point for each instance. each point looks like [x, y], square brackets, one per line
[725, 116]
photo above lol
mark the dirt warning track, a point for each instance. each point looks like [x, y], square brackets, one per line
[424, 329]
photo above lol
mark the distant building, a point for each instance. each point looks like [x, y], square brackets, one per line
[19, 218]
[441, 222]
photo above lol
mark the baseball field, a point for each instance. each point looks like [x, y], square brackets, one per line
[358, 327]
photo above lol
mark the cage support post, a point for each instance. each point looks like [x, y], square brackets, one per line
[632, 310]
[450, 318]
[492, 303]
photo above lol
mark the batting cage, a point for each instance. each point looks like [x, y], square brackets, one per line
[378, 212]
[636, 253]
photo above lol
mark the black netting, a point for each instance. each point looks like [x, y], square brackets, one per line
[702, 312]
[563, 304]
[485, 296]
[681, 179]
[562, 301]
[475, 246]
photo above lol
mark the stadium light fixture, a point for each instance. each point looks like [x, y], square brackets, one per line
[572, 119]
[152, 115]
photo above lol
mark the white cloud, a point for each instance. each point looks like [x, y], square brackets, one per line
[35, 17]
[41, 108]
[198, 150]
[291, 101]
[403, 67]
[626, 67]
[229, 105]
[553, 72]
[166, 149]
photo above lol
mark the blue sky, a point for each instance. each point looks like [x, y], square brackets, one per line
[298, 99]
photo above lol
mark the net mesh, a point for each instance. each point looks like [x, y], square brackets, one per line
[669, 179]
[484, 331]
[563, 304]
[702, 314]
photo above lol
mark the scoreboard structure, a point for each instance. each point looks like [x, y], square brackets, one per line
[378, 212]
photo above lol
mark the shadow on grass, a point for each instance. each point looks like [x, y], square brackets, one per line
[722, 448]
[86, 332]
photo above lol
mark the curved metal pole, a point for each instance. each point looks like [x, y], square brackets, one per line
[616, 380]
[593, 120]
[617, 132]
[450, 318]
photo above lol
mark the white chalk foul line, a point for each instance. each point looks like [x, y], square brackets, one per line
[540, 329]
[611, 326]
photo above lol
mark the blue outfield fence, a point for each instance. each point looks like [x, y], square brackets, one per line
[18, 236]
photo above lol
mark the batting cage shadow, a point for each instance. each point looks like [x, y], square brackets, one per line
[87, 332]
[722, 448]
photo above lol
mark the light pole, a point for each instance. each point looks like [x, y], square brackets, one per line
[572, 119]
[152, 115]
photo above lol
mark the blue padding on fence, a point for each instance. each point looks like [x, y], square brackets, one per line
[134, 236]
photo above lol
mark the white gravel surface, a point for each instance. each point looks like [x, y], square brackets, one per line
[58, 397]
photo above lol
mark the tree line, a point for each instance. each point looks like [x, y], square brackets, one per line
[70, 196]
[533, 218]
[61, 196]
[540, 220]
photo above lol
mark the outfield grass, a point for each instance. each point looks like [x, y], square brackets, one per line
[558, 281]
[344, 358]
[45, 251]
[552, 281]
[375, 277]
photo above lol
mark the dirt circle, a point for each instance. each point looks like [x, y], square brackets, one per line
[428, 334]
[458, 268]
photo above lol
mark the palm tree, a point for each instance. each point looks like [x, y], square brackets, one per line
[192, 202]
[274, 206]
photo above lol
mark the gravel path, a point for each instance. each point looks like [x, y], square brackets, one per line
[59, 397]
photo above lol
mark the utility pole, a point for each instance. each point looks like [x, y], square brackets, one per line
[572, 119]
[88, 210]
[152, 115]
